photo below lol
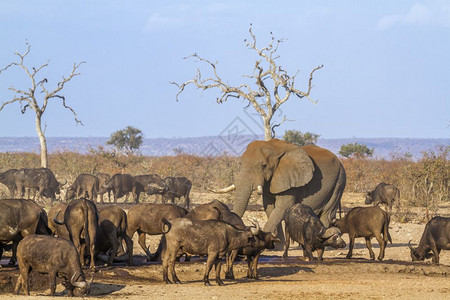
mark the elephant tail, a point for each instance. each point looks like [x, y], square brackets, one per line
[337, 195]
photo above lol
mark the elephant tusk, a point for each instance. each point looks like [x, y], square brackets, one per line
[259, 189]
[224, 190]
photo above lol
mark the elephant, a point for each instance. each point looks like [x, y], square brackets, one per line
[285, 174]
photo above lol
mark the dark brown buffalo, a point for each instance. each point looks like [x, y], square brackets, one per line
[213, 238]
[7, 178]
[103, 179]
[20, 218]
[146, 218]
[81, 220]
[84, 183]
[111, 231]
[304, 227]
[120, 184]
[175, 187]
[383, 194]
[55, 257]
[367, 222]
[57, 212]
[435, 237]
[150, 184]
[216, 210]
[41, 179]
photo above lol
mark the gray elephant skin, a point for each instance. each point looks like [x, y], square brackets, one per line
[285, 174]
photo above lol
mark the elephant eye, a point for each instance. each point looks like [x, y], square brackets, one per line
[263, 164]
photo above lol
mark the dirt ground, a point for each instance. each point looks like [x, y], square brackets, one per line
[335, 278]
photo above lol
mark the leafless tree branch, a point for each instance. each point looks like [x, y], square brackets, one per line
[269, 79]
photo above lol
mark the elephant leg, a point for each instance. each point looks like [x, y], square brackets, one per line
[276, 215]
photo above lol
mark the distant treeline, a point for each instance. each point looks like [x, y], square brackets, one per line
[219, 145]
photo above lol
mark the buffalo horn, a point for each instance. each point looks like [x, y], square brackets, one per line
[257, 229]
[224, 190]
[409, 245]
[55, 219]
[330, 232]
[78, 284]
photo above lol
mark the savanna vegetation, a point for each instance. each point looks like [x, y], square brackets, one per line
[422, 183]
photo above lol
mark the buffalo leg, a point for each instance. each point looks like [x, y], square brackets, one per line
[22, 281]
[13, 259]
[129, 243]
[165, 266]
[435, 251]
[369, 246]
[209, 263]
[350, 247]
[382, 245]
[320, 254]
[217, 267]
[52, 278]
[287, 243]
[187, 201]
[308, 249]
[230, 257]
[141, 242]
[255, 265]
[172, 267]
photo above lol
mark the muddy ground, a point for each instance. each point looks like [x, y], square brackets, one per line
[335, 278]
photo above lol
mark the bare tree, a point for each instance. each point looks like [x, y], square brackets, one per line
[272, 85]
[29, 98]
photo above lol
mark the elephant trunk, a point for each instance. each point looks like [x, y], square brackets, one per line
[242, 196]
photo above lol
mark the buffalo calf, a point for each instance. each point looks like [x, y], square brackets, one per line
[383, 194]
[367, 222]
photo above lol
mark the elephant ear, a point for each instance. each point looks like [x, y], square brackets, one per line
[295, 169]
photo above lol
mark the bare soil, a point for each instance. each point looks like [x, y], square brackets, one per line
[335, 278]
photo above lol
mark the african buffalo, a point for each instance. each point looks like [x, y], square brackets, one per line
[435, 237]
[111, 231]
[55, 257]
[41, 179]
[7, 178]
[211, 237]
[146, 218]
[367, 222]
[103, 179]
[84, 183]
[383, 194]
[120, 184]
[20, 218]
[151, 184]
[175, 187]
[216, 210]
[304, 227]
[81, 220]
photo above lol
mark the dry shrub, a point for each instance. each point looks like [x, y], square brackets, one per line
[423, 183]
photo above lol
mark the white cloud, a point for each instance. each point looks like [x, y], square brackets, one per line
[178, 16]
[436, 13]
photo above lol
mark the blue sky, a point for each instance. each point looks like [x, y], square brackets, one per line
[386, 65]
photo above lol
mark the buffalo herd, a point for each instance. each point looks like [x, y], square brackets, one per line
[82, 230]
